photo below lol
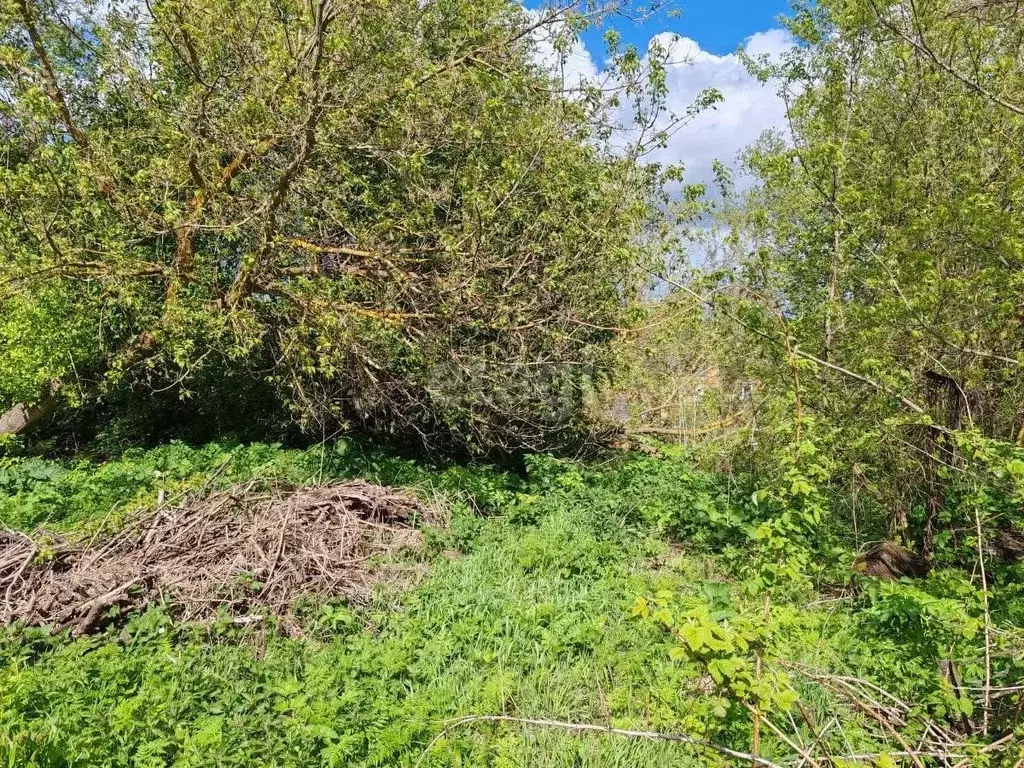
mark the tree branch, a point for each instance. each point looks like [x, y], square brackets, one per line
[50, 85]
[649, 735]
[922, 47]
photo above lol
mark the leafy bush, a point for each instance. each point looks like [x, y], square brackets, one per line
[386, 223]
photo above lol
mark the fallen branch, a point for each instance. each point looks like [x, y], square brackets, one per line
[20, 417]
[649, 735]
[705, 430]
[806, 756]
[988, 625]
[915, 755]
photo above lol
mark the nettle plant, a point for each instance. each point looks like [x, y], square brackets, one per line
[729, 647]
[790, 510]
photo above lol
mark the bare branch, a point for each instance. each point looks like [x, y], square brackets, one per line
[649, 735]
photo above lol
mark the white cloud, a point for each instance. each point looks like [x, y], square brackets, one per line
[773, 42]
[572, 66]
[748, 107]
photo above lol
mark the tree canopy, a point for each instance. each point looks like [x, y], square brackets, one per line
[391, 213]
[883, 252]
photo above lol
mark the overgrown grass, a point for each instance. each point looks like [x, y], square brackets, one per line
[527, 611]
[67, 494]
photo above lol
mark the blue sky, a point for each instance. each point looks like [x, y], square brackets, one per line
[719, 26]
[710, 32]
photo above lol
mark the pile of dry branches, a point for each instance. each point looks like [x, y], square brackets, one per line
[936, 742]
[244, 551]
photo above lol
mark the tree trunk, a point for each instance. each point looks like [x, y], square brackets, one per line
[20, 417]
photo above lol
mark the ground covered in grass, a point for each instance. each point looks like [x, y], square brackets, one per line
[626, 594]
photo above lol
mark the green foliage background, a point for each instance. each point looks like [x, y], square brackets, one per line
[389, 214]
[317, 218]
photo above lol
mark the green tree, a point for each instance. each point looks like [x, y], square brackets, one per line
[390, 211]
[886, 245]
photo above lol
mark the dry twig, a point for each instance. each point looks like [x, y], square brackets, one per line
[587, 727]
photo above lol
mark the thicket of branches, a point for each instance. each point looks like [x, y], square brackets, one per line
[397, 219]
[392, 214]
[865, 292]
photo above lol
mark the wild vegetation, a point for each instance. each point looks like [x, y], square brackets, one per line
[682, 475]
[387, 214]
[554, 597]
